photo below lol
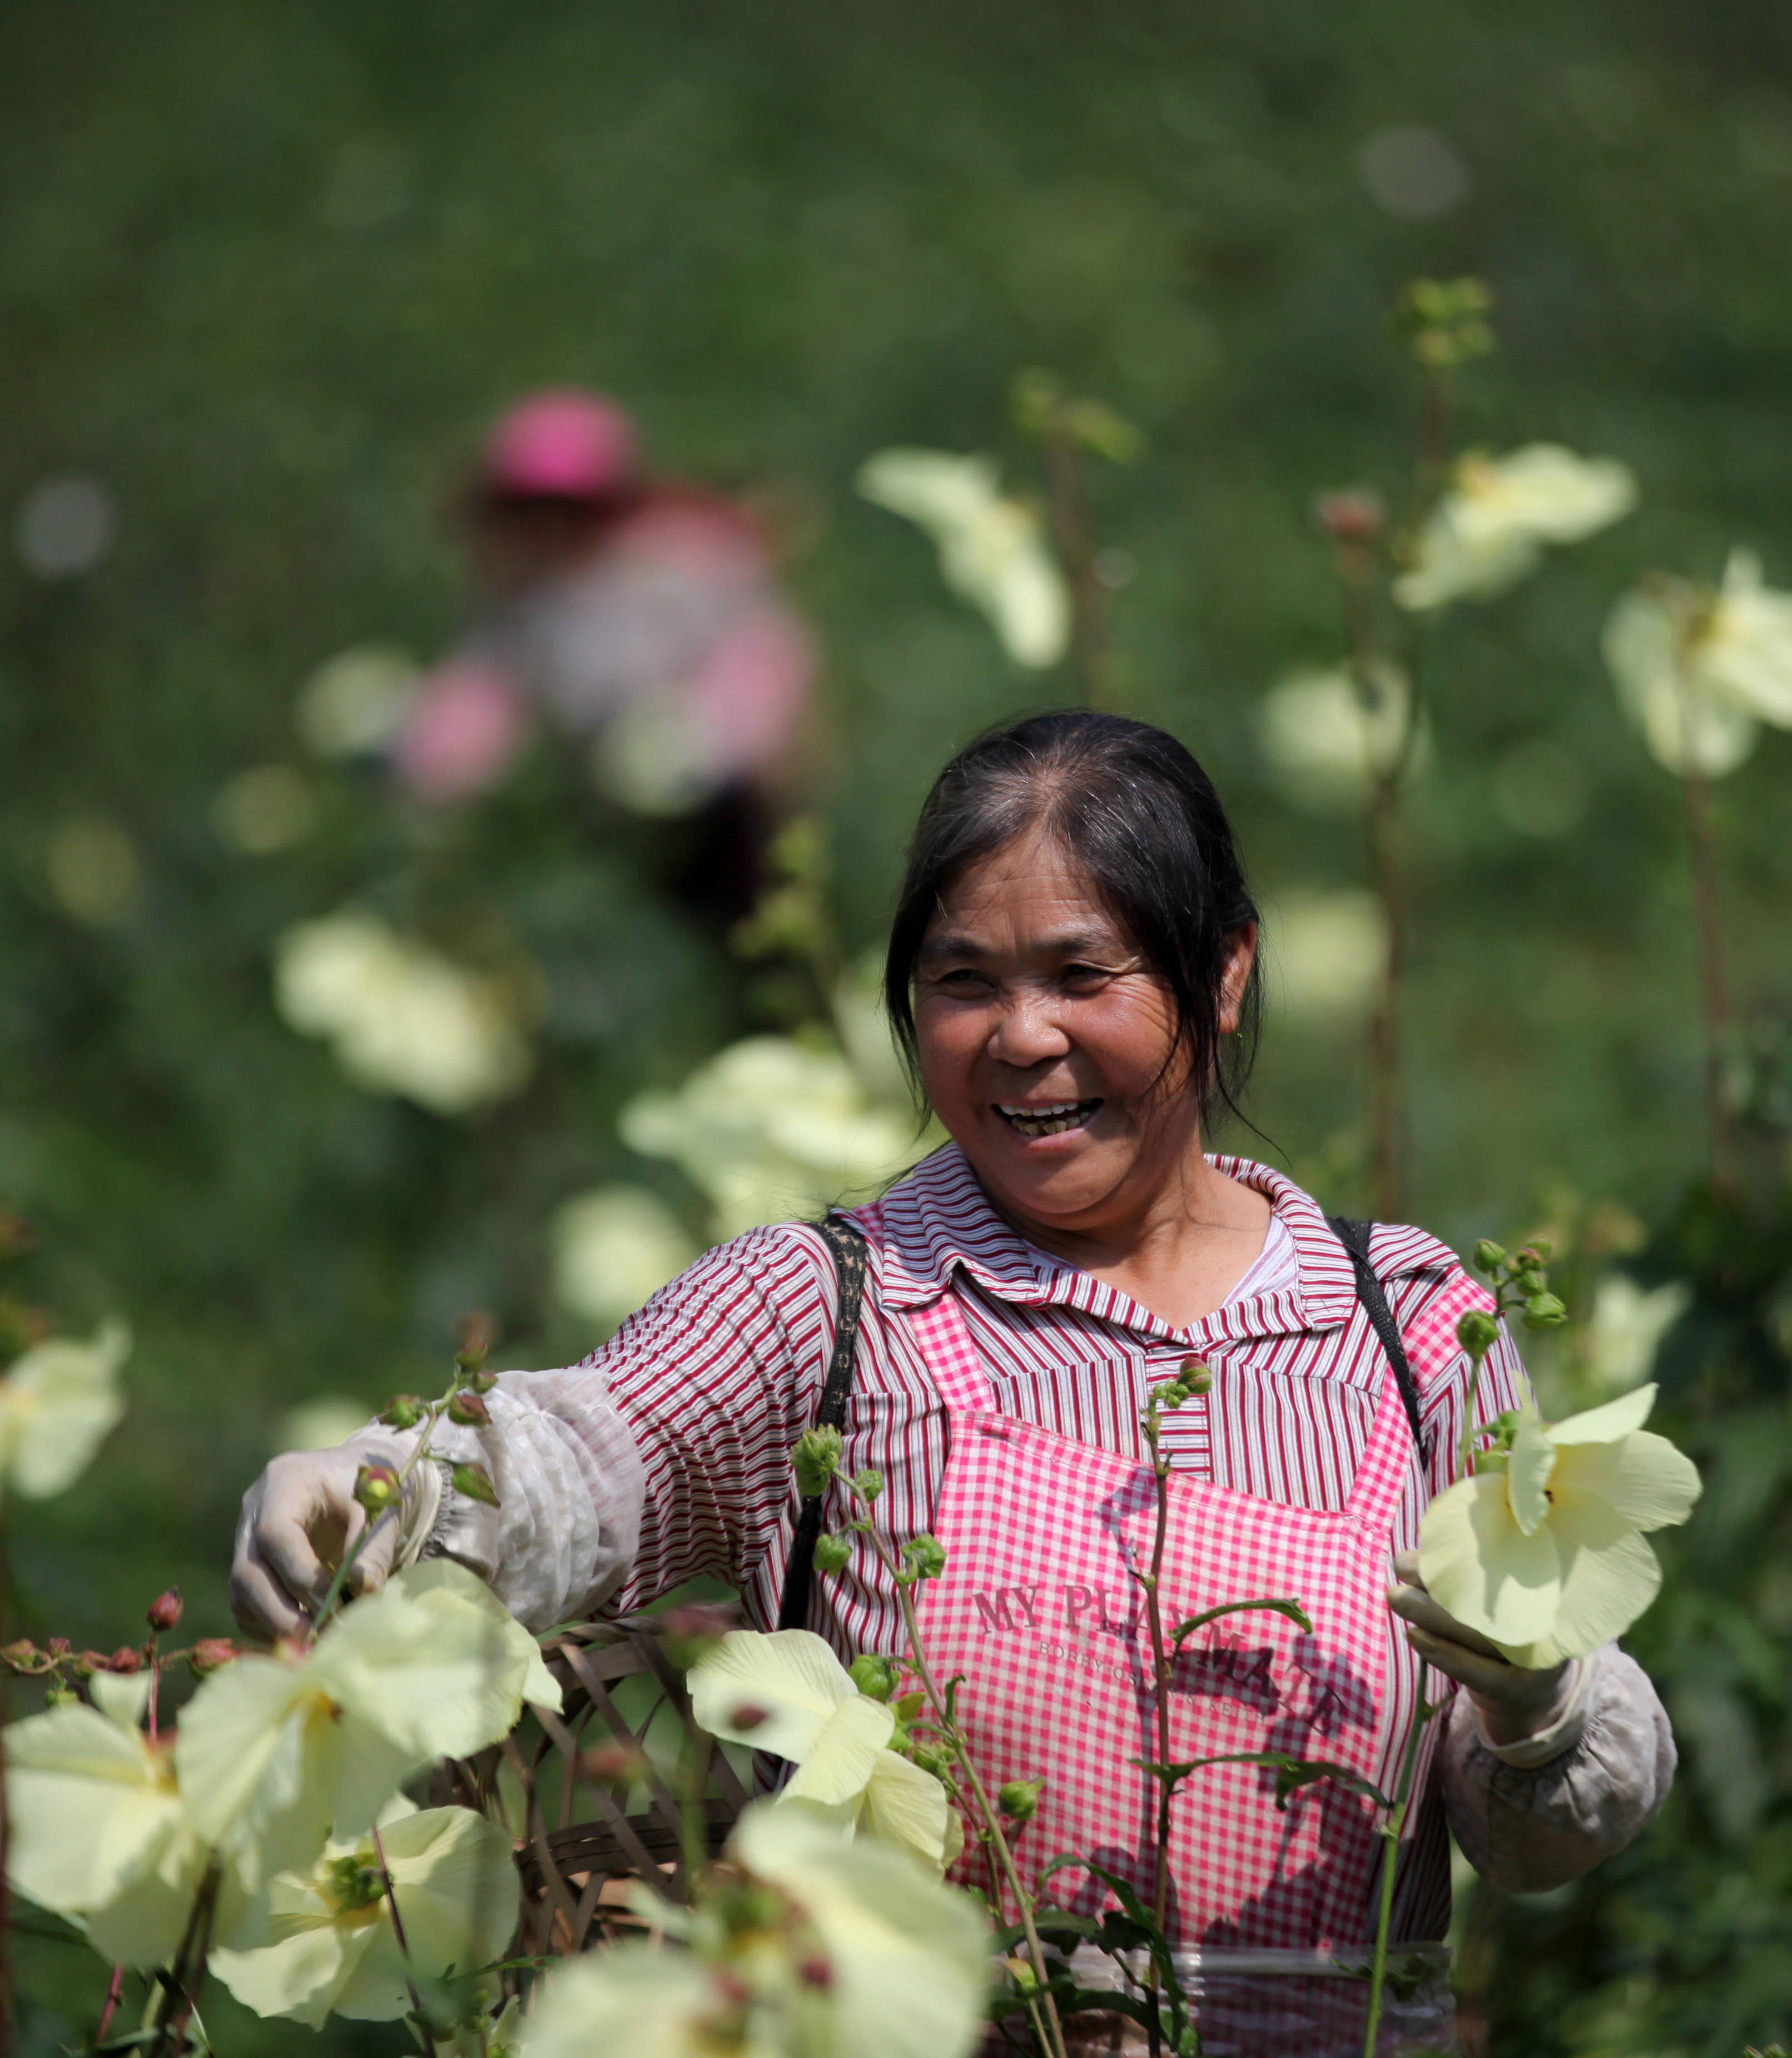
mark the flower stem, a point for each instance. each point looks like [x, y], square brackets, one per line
[1465, 1448]
[1713, 985]
[5, 1819]
[114, 1993]
[1355, 566]
[1160, 1680]
[417, 2028]
[996, 1843]
[1070, 532]
[1390, 1860]
[187, 1975]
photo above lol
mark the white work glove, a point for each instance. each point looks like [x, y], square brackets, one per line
[300, 1519]
[1514, 1703]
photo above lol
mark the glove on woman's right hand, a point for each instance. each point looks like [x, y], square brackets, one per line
[301, 1518]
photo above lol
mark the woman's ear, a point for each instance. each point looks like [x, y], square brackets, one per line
[1241, 955]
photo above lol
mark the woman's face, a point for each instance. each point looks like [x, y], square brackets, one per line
[1047, 1045]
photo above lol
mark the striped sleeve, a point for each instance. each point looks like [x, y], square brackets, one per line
[716, 1376]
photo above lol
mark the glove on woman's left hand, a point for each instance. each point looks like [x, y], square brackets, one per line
[1513, 1701]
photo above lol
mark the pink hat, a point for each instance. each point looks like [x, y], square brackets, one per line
[563, 442]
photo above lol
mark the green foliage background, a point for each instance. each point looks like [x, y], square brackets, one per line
[267, 271]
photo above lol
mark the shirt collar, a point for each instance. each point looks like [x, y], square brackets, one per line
[939, 1218]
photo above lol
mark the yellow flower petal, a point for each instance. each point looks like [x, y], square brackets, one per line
[790, 1683]
[1482, 1567]
[908, 1808]
[121, 1697]
[839, 1765]
[1606, 1425]
[910, 1957]
[1644, 1478]
[57, 1403]
[301, 1971]
[92, 1806]
[1609, 1574]
[143, 1922]
[458, 1893]
[268, 1761]
[1527, 1471]
[632, 1999]
[435, 1661]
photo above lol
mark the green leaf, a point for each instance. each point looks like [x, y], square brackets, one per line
[474, 1482]
[1292, 1609]
[1292, 1773]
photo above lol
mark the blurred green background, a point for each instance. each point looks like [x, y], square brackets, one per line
[266, 274]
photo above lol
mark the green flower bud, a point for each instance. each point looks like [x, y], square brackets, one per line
[1196, 1378]
[1544, 1311]
[1019, 1799]
[873, 1675]
[815, 1456]
[925, 1557]
[1477, 1332]
[60, 1696]
[377, 1488]
[832, 1554]
[908, 1705]
[1489, 1255]
[930, 1759]
[404, 1411]
[474, 1481]
[469, 1410]
[870, 1484]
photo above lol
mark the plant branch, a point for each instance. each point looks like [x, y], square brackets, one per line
[995, 1840]
[1391, 1833]
[1070, 532]
[1713, 984]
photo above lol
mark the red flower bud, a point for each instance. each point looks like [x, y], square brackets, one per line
[211, 1652]
[125, 1659]
[1351, 517]
[165, 1610]
[18, 1656]
[468, 1409]
[58, 1647]
[376, 1488]
[613, 1764]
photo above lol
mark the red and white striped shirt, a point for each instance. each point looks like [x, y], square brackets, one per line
[665, 1456]
[718, 1376]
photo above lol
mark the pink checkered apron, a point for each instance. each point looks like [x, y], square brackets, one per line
[1040, 1610]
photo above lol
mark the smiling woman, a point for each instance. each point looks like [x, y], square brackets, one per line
[1072, 974]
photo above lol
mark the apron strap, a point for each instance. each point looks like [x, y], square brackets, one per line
[1354, 1236]
[847, 1246]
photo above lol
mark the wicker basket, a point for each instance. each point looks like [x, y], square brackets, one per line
[579, 1851]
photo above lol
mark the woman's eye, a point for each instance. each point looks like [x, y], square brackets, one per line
[1082, 975]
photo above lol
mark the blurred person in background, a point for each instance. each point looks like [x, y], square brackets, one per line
[639, 618]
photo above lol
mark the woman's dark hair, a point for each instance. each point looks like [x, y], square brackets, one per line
[1129, 805]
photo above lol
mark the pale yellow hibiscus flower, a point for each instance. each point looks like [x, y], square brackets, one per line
[787, 1693]
[1542, 1550]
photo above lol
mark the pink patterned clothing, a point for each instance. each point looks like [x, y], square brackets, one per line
[665, 1456]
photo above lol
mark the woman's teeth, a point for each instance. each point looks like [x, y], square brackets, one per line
[1048, 1120]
